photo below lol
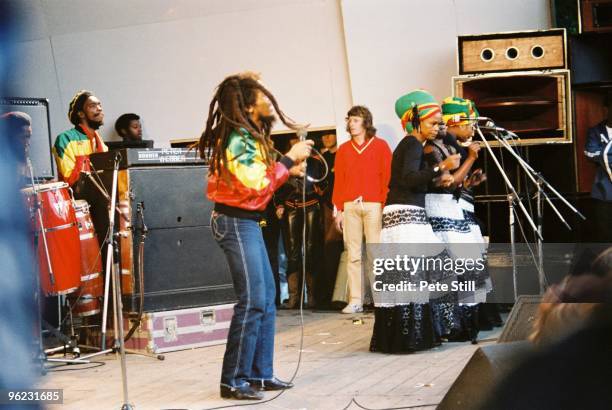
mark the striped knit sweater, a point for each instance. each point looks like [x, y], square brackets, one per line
[71, 151]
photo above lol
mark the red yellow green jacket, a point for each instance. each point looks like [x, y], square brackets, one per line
[250, 182]
[71, 151]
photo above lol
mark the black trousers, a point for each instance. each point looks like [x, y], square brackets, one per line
[292, 225]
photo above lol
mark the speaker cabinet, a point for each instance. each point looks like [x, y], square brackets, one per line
[183, 268]
[487, 367]
[596, 16]
[520, 321]
[591, 59]
[182, 265]
[514, 51]
[536, 106]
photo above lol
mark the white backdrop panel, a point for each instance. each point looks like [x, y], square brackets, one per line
[394, 46]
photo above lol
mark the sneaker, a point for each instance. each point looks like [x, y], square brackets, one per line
[352, 308]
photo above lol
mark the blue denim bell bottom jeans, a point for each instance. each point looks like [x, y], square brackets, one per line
[249, 352]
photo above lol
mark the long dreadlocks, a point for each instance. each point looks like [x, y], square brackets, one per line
[228, 111]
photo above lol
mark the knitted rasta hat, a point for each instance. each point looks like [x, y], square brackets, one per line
[456, 110]
[76, 104]
[415, 107]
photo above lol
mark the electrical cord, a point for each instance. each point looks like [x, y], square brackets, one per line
[353, 400]
[143, 237]
[56, 368]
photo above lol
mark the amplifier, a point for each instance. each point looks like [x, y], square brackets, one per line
[183, 267]
[141, 157]
[512, 51]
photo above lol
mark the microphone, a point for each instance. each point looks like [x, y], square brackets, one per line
[504, 133]
[472, 119]
[302, 133]
[489, 125]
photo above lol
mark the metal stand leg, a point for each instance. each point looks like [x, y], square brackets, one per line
[539, 209]
[511, 222]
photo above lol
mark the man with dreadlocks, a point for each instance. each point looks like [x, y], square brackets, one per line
[73, 147]
[242, 179]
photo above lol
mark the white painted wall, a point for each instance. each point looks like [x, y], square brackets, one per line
[395, 46]
[162, 59]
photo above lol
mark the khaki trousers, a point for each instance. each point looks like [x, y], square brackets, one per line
[360, 219]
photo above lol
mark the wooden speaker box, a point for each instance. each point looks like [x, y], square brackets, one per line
[596, 15]
[534, 105]
[513, 51]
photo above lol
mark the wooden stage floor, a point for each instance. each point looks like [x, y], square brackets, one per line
[336, 366]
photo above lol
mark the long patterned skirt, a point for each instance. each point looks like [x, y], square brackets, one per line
[401, 326]
[456, 319]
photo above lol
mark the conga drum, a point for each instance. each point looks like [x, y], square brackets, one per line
[86, 301]
[61, 234]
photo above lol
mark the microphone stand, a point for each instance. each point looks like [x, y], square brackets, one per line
[112, 270]
[540, 182]
[512, 198]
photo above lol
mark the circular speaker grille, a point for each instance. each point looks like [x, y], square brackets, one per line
[512, 53]
[487, 55]
[537, 51]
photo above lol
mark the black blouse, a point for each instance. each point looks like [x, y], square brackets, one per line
[410, 174]
[439, 152]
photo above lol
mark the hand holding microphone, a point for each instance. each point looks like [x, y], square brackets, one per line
[473, 149]
[300, 151]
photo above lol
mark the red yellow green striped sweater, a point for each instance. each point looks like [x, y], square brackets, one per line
[71, 151]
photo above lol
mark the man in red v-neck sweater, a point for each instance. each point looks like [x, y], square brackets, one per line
[362, 172]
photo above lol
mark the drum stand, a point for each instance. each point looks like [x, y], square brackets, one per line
[69, 343]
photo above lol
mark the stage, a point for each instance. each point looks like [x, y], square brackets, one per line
[336, 366]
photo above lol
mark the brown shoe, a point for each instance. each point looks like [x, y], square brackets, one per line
[293, 284]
